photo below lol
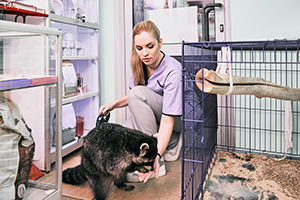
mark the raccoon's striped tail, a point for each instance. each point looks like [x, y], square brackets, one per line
[74, 176]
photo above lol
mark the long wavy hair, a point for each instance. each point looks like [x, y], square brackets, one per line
[137, 66]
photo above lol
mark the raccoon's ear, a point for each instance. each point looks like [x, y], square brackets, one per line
[144, 149]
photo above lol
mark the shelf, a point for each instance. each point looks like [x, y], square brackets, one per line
[79, 97]
[20, 11]
[76, 22]
[71, 145]
[16, 27]
[66, 149]
[76, 98]
[78, 57]
[37, 190]
[7, 83]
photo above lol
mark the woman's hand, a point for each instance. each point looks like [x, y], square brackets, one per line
[105, 109]
[144, 177]
[118, 103]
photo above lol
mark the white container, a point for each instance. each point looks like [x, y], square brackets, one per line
[68, 36]
[77, 44]
[80, 52]
[73, 51]
[70, 43]
[64, 44]
[66, 52]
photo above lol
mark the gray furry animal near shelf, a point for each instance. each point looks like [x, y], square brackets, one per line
[109, 152]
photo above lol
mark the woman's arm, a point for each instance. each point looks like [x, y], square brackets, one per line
[164, 135]
[118, 103]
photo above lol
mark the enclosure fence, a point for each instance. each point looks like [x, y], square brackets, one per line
[239, 123]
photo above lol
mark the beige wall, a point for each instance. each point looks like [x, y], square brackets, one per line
[115, 42]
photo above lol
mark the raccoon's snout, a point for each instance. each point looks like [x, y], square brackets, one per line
[149, 165]
[149, 168]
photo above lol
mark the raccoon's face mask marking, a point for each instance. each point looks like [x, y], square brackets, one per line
[144, 149]
[148, 163]
[143, 158]
[145, 167]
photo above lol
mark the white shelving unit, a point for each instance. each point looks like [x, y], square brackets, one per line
[86, 63]
[23, 48]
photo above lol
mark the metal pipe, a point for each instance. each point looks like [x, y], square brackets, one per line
[205, 25]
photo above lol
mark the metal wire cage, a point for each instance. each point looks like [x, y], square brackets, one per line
[240, 123]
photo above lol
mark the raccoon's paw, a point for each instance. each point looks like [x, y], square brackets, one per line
[73, 176]
[126, 187]
[66, 177]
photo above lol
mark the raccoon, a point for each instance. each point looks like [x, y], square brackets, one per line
[109, 152]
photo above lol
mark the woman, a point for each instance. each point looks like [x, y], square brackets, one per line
[155, 97]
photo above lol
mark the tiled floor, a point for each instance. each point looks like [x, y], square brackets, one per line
[165, 188]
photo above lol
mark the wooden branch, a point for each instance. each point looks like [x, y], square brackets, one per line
[219, 84]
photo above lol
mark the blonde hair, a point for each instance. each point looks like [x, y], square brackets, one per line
[137, 65]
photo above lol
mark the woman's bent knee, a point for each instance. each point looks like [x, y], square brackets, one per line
[136, 94]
